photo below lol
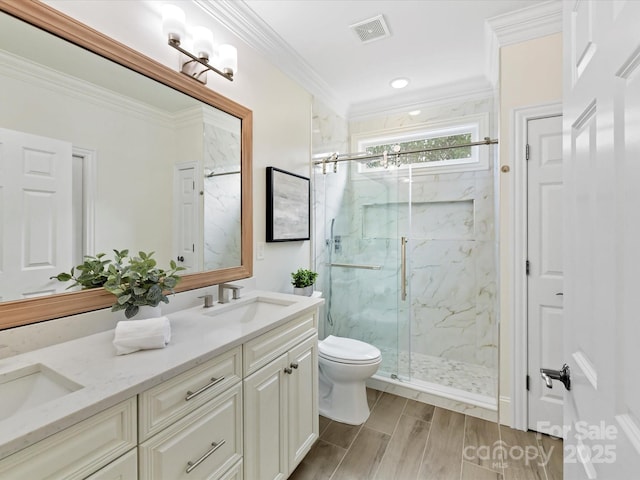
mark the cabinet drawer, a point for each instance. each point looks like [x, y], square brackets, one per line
[77, 451]
[166, 403]
[236, 473]
[191, 442]
[263, 349]
[123, 468]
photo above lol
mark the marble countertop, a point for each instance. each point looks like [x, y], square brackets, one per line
[107, 379]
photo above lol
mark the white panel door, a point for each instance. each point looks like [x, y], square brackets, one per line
[544, 280]
[187, 214]
[36, 214]
[602, 232]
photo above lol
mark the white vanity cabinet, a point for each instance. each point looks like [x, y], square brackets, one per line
[123, 468]
[78, 451]
[191, 425]
[249, 413]
[281, 399]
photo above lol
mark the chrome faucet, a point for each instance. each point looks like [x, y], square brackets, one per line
[224, 289]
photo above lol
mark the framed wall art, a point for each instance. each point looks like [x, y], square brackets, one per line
[288, 206]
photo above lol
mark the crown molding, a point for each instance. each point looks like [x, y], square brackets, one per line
[28, 72]
[477, 88]
[519, 26]
[527, 23]
[242, 21]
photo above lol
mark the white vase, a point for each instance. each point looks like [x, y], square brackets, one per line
[304, 291]
[147, 311]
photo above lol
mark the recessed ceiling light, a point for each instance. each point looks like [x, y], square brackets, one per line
[399, 82]
[413, 113]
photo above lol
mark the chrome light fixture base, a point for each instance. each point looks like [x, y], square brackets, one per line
[197, 67]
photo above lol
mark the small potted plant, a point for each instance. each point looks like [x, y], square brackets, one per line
[139, 283]
[302, 281]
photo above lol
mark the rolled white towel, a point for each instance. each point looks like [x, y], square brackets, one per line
[147, 334]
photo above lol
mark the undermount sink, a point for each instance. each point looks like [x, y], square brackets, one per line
[31, 386]
[247, 310]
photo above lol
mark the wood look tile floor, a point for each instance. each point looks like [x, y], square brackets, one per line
[408, 440]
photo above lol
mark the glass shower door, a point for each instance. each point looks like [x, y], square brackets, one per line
[364, 220]
[403, 241]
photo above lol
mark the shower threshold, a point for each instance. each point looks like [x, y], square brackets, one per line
[459, 385]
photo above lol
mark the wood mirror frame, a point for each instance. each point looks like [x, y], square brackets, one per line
[23, 312]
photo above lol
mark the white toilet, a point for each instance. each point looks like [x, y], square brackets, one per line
[344, 365]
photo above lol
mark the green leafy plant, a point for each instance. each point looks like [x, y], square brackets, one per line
[138, 281]
[135, 281]
[92, 273]
[303, 278]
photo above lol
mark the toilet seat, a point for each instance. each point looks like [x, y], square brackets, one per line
[348, 351]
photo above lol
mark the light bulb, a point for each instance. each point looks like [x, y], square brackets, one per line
[173, 22]
[202, 42]
[228, 56]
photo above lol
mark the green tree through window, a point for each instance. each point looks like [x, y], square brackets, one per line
[422, 144]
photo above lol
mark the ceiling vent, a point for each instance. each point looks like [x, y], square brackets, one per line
[371, 29]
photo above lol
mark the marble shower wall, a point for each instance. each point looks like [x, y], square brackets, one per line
[453, 268]
[330, 134]
[452, 308]
[222, 195]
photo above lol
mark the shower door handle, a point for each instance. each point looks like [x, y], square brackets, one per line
[403, 267]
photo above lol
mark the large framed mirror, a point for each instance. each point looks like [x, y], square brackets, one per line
[153, 161]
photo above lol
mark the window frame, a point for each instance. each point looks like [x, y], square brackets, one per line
[477, 125]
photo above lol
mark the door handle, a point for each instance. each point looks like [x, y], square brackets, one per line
[403, 268]
[564, 375]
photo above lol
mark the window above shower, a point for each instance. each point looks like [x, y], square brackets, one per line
[449, 133]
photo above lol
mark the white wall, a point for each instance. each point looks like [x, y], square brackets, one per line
[530, 74]
[281, 108]
[130, 172]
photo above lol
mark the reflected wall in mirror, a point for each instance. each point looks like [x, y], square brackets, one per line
[97, 155]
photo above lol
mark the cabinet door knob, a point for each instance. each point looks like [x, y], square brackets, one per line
[294, 365]
[288, 370]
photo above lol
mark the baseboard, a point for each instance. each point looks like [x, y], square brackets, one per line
[504, 411]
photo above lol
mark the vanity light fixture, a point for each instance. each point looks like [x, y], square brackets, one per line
[226, 56]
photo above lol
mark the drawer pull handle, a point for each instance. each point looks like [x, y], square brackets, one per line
[294, 365]
[214, 446]
[288, 370]
[214, 381]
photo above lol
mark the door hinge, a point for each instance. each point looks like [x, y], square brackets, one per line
[526, 152]
[194, 184]
[193, 247]
[527, 383]
[527, 267]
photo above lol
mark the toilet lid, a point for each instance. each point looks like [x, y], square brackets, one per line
[347, 350]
